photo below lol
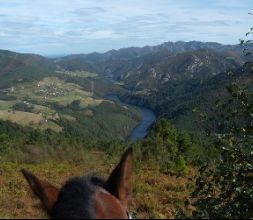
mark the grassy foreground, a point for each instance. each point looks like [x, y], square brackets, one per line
[155, 195]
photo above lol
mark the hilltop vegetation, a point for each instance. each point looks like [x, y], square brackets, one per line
[156, 195]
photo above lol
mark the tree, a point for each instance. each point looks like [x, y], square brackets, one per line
[4, 143]
[226, 190]
[75, 105]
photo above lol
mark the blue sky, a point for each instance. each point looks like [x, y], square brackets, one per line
[84, 26]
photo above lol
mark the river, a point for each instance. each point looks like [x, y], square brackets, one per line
[148, 118]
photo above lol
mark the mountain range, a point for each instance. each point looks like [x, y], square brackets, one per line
[148, 67]
[171, 78]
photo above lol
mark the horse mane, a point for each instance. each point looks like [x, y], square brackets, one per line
[77, 198]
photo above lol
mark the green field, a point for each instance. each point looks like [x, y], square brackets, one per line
[83, 74]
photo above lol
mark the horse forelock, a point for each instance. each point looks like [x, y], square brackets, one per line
[77, 198]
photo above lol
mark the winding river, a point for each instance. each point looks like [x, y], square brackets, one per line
[148, 118]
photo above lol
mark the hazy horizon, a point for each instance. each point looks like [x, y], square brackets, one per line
[73, 27]
[61, 55]
[58, 55]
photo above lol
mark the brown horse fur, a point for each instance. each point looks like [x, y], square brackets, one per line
[87, 197]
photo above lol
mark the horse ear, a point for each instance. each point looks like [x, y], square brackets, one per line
[119, 182]
[47, 193]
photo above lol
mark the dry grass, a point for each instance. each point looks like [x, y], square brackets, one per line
[158, 195]
[23, 118]
[16, 200]
[155, 195]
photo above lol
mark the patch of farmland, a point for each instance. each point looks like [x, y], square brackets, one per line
[54, 90]
[68, 117]
[83, 74]
[6, 105]
[29, 119]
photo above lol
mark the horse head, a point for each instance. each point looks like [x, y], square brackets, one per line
[87, 197]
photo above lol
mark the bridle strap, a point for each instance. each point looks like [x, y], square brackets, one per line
[129, 215]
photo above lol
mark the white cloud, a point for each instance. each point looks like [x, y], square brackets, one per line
[66, 25]
[3, 34]
[103, 34]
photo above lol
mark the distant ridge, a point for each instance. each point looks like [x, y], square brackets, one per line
[17, 66]
[149, 66]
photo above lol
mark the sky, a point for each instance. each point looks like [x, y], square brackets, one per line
[51, 27]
